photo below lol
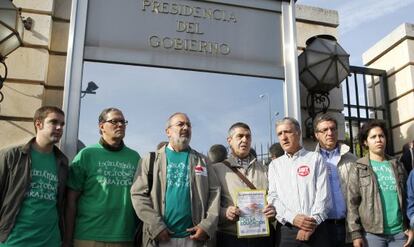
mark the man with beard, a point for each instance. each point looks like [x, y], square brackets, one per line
[241, 162]
[98, 208]
[32, 185]
[179, 204]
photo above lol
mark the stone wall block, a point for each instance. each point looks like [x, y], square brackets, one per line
[56, 70]
[35, 5]
[305, 31]
[60, 35]
[53, 97]
[28, 64]
[400, 109]
[15, 132]
[41, 30]
[20, 99]
[62, 9]
[401, 82]
[402, 135]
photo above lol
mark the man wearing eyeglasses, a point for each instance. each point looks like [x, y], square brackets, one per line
[179, 203]
[98, 209]
[338, 159]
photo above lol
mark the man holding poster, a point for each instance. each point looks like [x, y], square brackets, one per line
[244, 211]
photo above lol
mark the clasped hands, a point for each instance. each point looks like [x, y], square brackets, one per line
[306, 225]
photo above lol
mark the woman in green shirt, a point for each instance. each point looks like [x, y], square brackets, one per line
[376, 200]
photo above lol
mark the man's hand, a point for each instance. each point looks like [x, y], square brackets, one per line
[304, 222]
[197, 234]
[269, 211]
[232, 213]
[410, 237]
[302, 235]
[163, 236]
[359, 242]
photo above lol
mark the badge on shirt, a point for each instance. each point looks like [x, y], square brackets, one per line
[303, 170]
[200, 170]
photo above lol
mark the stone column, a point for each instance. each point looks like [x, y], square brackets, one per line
[36, 70]
[395, 54]
[312, 21]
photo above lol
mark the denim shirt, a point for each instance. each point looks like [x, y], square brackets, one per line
[331, 159]
[410, 199]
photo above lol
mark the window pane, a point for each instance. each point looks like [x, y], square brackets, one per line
[148, 96]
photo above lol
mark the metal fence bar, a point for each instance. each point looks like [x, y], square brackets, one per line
[365, 105]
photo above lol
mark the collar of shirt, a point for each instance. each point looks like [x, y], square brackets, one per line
[297, 154]
[172, 149]
[243, 162]
[329, 154]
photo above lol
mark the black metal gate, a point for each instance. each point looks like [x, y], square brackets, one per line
[365, 94]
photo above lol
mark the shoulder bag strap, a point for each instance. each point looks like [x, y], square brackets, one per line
[151, 171]
[241, 176]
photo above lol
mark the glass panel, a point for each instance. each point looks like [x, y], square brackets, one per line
[361, 90]
[8, 17]
[351, 81]
[148, 96]
[9, 45]
[4, 32]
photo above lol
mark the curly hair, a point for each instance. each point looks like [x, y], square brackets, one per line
[366, 127]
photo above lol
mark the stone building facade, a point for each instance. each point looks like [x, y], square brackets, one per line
[37, 70]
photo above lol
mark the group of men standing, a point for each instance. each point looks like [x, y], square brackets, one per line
[180, 198]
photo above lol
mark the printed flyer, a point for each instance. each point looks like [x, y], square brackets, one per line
[252, 221]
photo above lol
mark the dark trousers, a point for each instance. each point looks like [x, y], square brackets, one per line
[228, 240]
[337, 233]
[318, 239]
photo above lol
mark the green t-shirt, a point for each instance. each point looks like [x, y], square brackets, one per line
[389, 196]
[104, 178]
[177, 199]
[36, 224]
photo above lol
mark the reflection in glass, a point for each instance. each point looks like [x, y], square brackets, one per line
[148, 96]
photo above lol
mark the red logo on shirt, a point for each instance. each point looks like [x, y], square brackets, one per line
[199, 168]
[303, 171]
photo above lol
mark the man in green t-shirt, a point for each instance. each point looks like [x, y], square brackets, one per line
[98, 207]
[32, 185]
[179, 203]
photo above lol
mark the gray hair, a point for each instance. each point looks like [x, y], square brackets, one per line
[289, 120]
[168, 123]
[230, 132]
[102, 116]
[322, 118]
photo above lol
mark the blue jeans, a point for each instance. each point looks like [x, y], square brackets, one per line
[386, 240]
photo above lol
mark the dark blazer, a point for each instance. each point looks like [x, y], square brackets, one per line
[407, 158]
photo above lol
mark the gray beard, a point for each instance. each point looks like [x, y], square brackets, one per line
[181, 142]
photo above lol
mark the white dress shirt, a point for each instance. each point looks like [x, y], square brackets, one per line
[298, 184]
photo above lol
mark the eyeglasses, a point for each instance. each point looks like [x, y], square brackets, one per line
[117, 122]
[325, 130]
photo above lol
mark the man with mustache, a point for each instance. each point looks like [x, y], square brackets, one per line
[98, 208]
[179, 203]
[32, 185]
[298, 188]
[240, 139]
[338, 160]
